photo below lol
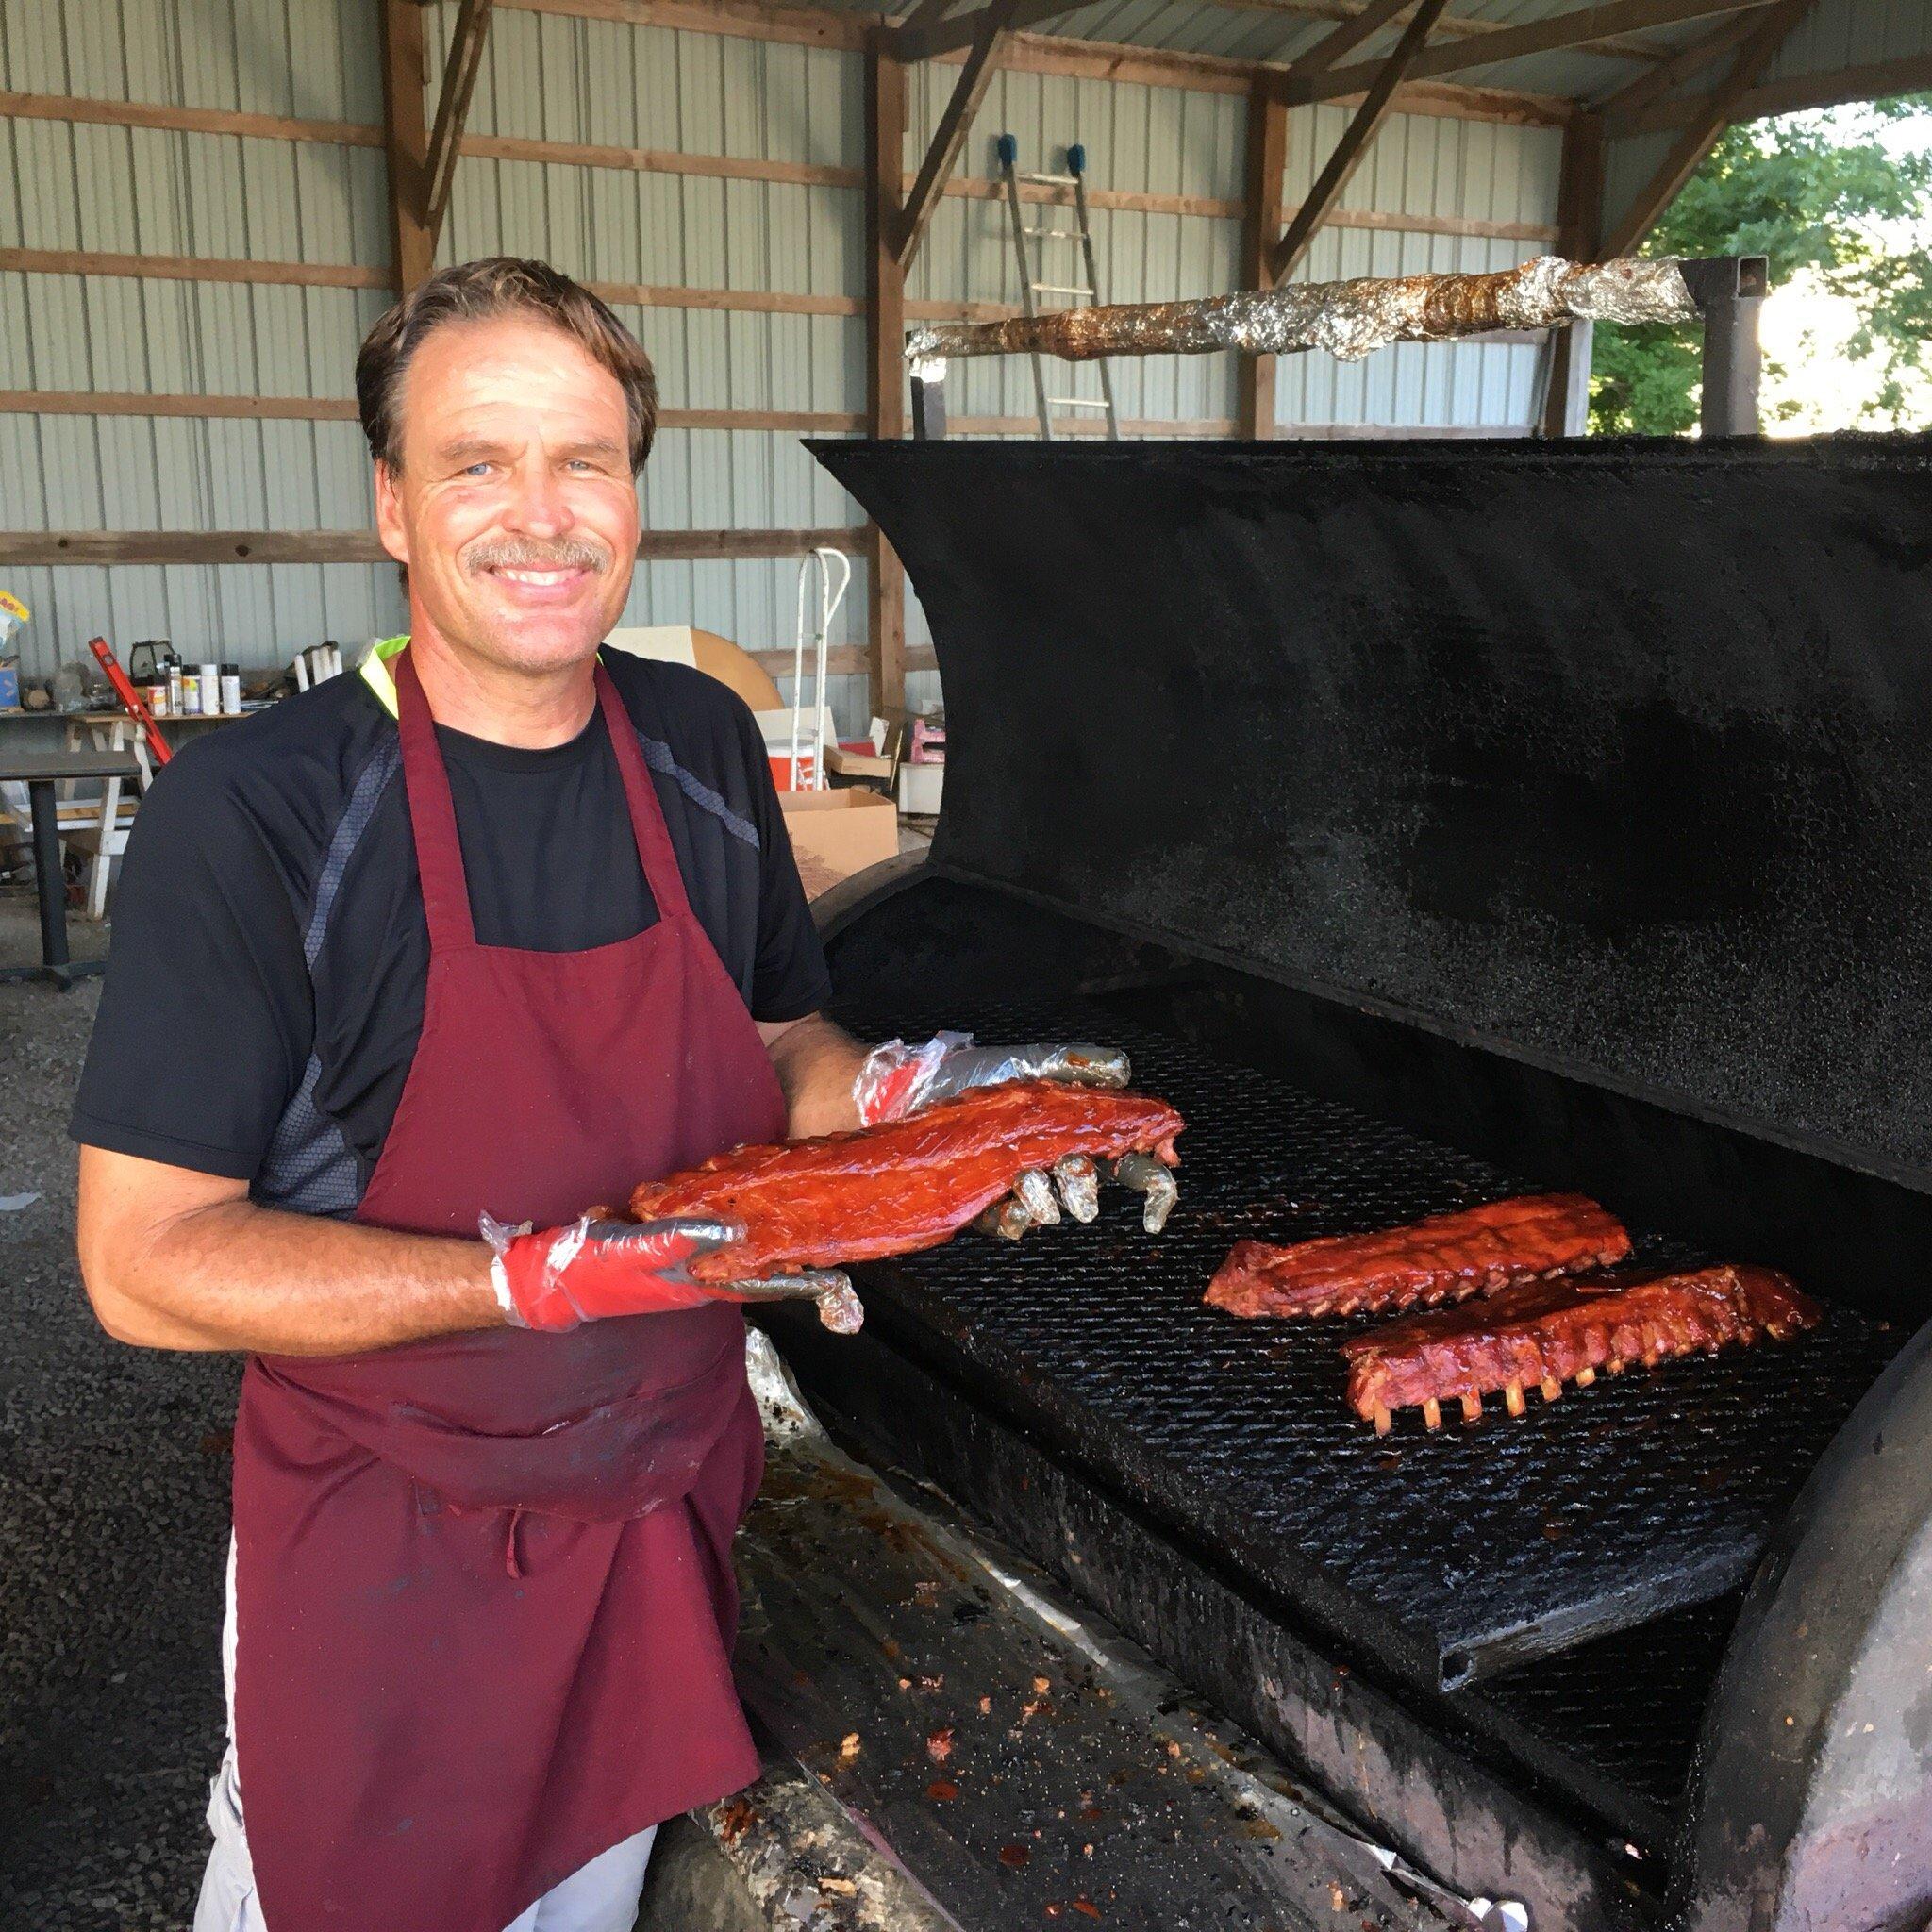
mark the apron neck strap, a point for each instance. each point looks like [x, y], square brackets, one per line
[432, 814]
[433, 811]
[656, 853]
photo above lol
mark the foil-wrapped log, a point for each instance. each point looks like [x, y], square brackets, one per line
[1348, 319]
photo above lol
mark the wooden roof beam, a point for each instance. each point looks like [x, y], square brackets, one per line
[971, 30]
[1699, 55]
[1563, 30]
[975, 77]
[926, 13]
[1347, 37]
[935, 35]
[1700, 136]
[1791, 93]
[1349, 151]
[466, 45]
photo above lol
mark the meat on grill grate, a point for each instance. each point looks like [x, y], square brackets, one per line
[1445, 1258]
[914, 1183]
[1542, 1334]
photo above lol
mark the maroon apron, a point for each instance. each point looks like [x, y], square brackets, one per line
[484, 1600]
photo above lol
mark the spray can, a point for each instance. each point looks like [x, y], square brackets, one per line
[231, 691]
[177, 692]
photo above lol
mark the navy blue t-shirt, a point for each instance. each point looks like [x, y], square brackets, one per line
[269, 925]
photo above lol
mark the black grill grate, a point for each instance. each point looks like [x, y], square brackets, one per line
[1446, 1556]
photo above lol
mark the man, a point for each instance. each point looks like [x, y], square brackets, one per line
[408, 972]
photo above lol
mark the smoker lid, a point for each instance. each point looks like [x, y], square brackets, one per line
[1616, 757]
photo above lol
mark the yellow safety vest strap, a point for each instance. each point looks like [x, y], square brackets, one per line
[377, 673]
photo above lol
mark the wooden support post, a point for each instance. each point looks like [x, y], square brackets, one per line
[1715, 111]
[453, 108]
[885, 352]
[1267, 156]
[1579, 220]
[1353, 145]
[407, 140]
[975, 77]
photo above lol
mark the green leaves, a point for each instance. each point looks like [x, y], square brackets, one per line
[1840, 200]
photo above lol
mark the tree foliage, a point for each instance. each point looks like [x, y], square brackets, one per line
[1802, 192]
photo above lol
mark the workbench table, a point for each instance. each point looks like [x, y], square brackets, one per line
[41, 772]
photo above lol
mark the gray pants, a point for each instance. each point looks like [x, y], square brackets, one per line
[601, 1896]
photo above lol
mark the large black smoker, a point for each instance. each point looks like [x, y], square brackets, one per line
[1432, 820]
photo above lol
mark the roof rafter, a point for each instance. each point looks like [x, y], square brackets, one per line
[467, 40]
[1700, 136]
[1791, 92]
[1563, 30]
[1677, 69]
[937, 35]
[975, 77]
[1349, 35]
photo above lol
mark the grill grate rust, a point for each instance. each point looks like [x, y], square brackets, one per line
[1444, 1557]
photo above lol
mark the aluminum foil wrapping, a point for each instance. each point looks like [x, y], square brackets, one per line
[1348, 319]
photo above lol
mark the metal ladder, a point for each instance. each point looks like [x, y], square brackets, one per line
[1033, 272]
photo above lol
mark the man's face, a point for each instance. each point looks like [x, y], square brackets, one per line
[514, 506]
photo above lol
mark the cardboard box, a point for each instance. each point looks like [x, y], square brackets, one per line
[851, 761]
[835, 834]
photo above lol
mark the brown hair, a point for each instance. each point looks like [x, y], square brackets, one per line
[480, 292]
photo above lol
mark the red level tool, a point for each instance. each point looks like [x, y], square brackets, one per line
[131, 700]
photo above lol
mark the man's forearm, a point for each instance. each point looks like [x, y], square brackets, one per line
[232, 1275]
[816, 1062]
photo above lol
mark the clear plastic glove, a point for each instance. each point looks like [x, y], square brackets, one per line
[561, 1276]
[897, 1079]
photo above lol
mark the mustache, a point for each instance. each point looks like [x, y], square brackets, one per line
[522, 552]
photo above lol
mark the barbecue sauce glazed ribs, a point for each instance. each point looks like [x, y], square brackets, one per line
[1446, 1258]
[1542, 1334]
[907, 1185]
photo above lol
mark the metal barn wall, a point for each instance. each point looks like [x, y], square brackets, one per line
[567, 79]
[142, 191]
[557, 78]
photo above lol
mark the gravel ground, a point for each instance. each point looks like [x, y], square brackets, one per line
[114, 1528]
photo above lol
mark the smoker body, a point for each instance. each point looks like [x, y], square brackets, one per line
[1430, 822]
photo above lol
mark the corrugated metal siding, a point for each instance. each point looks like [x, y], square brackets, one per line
[598, 82]
[561, 79]
[1422, 165]
[139, 191]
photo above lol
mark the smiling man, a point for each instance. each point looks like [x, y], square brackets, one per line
[489, 929]
[492, 931]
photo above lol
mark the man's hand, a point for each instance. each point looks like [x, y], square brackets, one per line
[596, 1268]
[897, 1079]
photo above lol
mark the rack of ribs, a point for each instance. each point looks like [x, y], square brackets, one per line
[1542, 1334]
[914, 1183]
[1445, 1258]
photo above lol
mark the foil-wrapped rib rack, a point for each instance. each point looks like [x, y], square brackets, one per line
[1348, 319]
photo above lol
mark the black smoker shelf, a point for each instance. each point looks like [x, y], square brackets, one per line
[1445, 1557]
